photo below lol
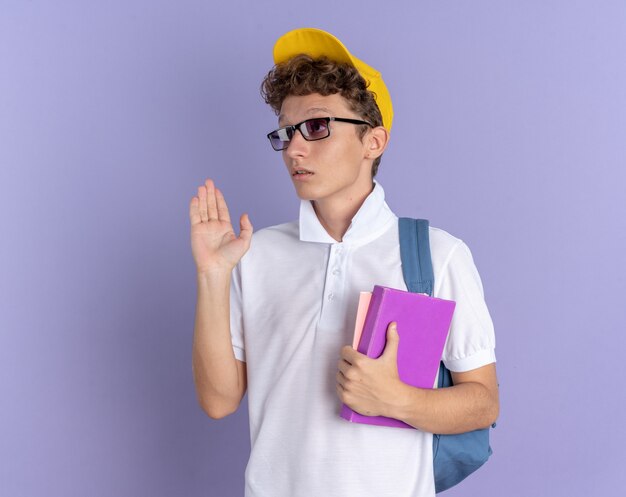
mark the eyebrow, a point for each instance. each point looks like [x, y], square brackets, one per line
[312, 110]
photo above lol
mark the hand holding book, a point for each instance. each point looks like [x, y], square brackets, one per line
[370, 386]
[422, 323]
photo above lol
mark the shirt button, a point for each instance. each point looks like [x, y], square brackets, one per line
[336, 271]
[331, 296]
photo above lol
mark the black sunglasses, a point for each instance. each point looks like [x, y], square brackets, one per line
[311, 130]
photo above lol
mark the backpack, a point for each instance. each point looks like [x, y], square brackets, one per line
[454, 456]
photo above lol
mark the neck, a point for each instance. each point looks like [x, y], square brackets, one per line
[335, 216]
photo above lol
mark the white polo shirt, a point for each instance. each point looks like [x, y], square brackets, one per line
[293, 304]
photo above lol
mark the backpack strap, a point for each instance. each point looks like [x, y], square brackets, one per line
[454, 456]
[417, 268]
[414, 241]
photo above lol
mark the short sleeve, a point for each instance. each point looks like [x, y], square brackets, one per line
[236, 315]
[471, 341]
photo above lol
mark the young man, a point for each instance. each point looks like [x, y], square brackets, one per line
[276, 322]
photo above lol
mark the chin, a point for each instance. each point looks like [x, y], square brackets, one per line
[302, 196]
[305, 193]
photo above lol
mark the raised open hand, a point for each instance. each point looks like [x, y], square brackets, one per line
[214, 244]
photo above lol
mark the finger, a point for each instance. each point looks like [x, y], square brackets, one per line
[202, 210]
[210, 200]
[348, 354]
[194, 212]
[245, 227]
[222, 208]
[340, 380]
[393, 339]
[340, 392]
[343, 366]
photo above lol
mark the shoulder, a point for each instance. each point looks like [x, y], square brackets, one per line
[452, 259]
[280, 232]
[443, 246]
[442, 241]
[273, 241]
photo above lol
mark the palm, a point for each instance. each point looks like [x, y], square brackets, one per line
[214, 244]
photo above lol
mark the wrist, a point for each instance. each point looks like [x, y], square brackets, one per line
[213, 276]
[405, 402]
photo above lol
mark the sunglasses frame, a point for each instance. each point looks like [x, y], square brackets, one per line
[296, 127]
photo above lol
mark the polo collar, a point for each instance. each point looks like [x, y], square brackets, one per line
[371, 220]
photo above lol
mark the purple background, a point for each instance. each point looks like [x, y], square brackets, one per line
[510, 132]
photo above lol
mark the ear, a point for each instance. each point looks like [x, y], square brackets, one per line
[376, 142]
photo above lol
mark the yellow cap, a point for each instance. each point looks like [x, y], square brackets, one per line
[318, 43]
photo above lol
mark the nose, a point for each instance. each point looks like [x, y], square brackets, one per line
[298, 146]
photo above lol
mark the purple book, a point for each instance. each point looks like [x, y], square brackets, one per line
[423, 325]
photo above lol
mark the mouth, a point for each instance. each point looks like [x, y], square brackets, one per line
[301, 173]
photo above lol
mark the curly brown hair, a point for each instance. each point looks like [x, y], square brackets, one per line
[303, 75]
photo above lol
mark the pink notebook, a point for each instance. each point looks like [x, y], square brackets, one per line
[364, 303]
[423, 325]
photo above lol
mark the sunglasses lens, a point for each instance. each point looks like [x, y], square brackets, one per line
[315, 129]
[280, 138]
[312, 129]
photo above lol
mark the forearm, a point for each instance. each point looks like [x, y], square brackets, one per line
[215, 368]
[457, 409]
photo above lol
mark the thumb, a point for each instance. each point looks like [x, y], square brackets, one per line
[393, 339]
[245, 228]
